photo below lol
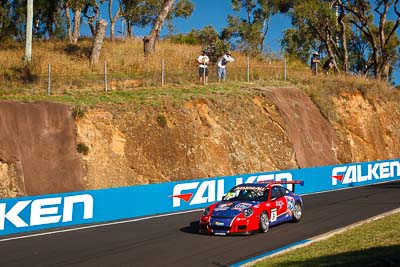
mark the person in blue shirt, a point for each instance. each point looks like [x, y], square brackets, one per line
[226, 58]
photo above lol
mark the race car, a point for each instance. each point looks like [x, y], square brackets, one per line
[252, 207]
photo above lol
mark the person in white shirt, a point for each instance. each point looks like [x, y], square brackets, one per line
[226, 58]
[203, 61]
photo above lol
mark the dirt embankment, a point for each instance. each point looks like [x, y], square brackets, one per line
[268, 129]
[37, 149]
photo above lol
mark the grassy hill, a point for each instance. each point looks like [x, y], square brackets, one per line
[132, 76]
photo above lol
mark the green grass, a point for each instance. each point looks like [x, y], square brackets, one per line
[372, 244]
[153, 95]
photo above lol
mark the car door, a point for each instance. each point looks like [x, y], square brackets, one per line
[278, 204]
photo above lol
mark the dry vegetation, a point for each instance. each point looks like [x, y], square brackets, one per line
[126, 66]
[128, 69]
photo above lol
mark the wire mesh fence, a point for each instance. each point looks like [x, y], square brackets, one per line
[104, 80]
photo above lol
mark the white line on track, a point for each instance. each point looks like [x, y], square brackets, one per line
[97, 225]
[150, 217]
[252, 261]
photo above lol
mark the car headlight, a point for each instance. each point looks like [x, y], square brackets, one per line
[248, 212]
[206, 212]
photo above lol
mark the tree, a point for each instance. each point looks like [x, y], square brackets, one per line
[28, 40]
[343, 25]
[101, 26]
[366, 39]
[113, 19]
[10, 15]
[382, 38]
[91, 12]
[150, 40]
[318, 20]
[137, 13]
[77, 6]
[183, 8]
[298, 43]
[48, 19]
[253, 29]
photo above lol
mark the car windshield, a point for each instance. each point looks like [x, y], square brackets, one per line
[247, 193]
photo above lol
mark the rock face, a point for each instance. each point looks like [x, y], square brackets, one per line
[313, 137]
[38, 150]
[269, 129]
[368, 130]
[265, 130]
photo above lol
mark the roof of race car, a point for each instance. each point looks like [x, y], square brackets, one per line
[265, 184]
[254, 185]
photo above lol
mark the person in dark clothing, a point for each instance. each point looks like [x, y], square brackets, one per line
[329, 64]
[314, 62]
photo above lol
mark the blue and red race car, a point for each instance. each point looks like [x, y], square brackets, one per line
[252, 207]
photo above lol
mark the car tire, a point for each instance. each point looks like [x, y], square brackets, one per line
[297, 212]
[264, 222]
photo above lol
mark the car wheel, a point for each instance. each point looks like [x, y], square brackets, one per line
[264, 222]
[297, 211]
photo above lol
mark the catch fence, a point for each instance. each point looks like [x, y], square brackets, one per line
[164, 76]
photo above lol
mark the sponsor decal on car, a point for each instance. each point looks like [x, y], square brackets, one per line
[223, 206]
[279, 204]
[254, 188]
[359, 173]
[209, 191]
[290, 202]
[242, 206]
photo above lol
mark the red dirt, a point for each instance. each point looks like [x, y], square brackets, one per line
[39, 139]
[312, 136]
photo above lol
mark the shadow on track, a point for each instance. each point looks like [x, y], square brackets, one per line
[192, 228]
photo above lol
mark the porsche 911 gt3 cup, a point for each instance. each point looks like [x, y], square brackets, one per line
[252, 207]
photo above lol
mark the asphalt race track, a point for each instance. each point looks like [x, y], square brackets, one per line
[172, 240]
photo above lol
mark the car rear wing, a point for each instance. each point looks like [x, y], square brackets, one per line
[300, 182]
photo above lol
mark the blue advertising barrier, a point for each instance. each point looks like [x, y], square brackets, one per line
[18, 215]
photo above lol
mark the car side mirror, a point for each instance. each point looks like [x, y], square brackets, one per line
[223, 197]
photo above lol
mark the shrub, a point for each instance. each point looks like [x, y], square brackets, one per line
[82, 148]
[78, 112]
[162, 120]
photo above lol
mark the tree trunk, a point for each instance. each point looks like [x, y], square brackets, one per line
[344, 47]
[68, 20]
[343, 31]
[329, 48]
[113, 20]
[150, 40]
[77, 24]
[101, 26]
[92, 27]
[128, 28]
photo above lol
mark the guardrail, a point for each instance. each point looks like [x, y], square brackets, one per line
[18, 215]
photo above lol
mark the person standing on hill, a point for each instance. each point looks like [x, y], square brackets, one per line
[226, 58]
[203, 61]
[329, 64]
[314, 62]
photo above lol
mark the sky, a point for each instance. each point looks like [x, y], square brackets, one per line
[215, 13]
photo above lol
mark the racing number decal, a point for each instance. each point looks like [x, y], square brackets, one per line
[274, 214]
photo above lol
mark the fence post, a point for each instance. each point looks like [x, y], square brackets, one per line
[284, 64]
[105, 77]
[49, 80]
[248, 69]
[162, 73]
